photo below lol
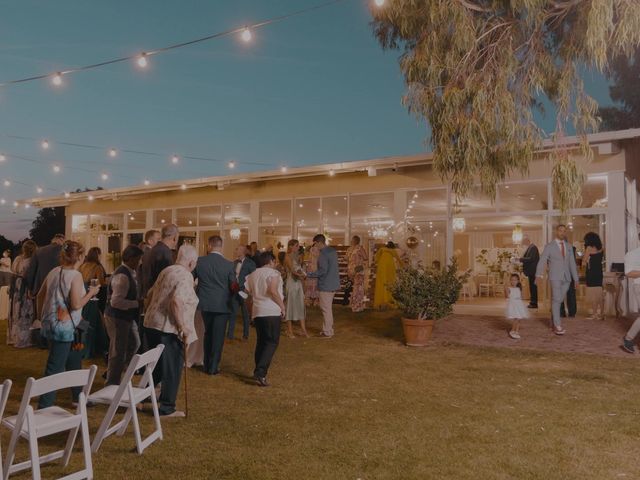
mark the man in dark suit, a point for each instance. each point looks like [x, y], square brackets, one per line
[44, 260]
[243, 266]
[529, 265]
[216, 284]
[159, 257]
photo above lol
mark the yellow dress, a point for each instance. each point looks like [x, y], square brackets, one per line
[386, 266]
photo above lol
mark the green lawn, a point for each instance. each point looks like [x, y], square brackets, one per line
[363, 406]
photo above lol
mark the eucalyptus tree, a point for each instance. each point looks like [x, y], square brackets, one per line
[476, 71]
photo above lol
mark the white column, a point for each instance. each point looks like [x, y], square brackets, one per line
[616, 224]
[449, 228]
[254, 211]
[399, 208]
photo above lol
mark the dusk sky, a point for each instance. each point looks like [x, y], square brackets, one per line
[312, 89]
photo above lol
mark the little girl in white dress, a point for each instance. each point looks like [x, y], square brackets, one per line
[516, 309]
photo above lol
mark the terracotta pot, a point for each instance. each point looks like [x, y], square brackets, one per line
[417, 332]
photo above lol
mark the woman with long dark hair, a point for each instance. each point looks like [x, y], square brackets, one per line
[593, 256]
[93, 271]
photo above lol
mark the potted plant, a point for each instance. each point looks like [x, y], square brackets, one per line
[425, 296]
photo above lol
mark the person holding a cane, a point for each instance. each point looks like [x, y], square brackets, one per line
[169, 320]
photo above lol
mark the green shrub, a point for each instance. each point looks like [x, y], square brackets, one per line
[428, 294]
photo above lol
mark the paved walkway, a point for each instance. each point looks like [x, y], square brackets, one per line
[583, 336]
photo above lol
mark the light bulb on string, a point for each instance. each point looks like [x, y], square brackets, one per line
[67, 195]
[15, 204]
[90, 198]
[332, 172]
[2, 201]
[246, 35]
[3, 157]
[142, 60]
[283, 169]
[6, 183]
[39, 189]
[232, 164]
[175, 159]
[147, 182]
[57, 79]
[113, 152]
[104, 177]
[379, 3]
[45, 144]
[183, 186]
[56, 169]
[27, 205]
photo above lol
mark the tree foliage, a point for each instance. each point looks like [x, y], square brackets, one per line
[624, 72]
[48, 222]
[476, 69]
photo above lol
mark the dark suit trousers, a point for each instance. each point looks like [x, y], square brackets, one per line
[168, 371]
[215, 326]
[533, 289]
[268, 334]
[237, 303]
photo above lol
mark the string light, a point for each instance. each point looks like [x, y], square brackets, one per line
[147, 182]
[91, 198]
[57, 79]
[56, 169]
[379, 3]
[113, 152]
[332, 172]
[142, 60]
[45, 144]
[104, 177]
[246, 35]
[175, 159]
[3, 157]
[27, 205]
[6, 183]
[2, 201]
[39, 189]
[15, 204]
[67, 195]
[232, 164]
[283, 169]
[183, 186]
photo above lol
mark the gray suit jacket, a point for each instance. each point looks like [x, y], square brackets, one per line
[560, 268]
[216, 279]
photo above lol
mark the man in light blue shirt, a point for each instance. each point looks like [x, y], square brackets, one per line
[328, 282]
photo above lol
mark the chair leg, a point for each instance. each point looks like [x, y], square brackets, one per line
[11, 452]
[136, 428]
[104, 426]
[33, 449]
[156, 415]
[86, 443]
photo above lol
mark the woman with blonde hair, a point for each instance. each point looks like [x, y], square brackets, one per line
[60, 301]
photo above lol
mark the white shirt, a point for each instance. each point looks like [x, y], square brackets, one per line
[239, 267]
[632, 262]
[560, 246]
[257, 285]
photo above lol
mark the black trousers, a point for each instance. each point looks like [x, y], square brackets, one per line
[168, 371]
[533, 289]
[268, 337]
[215, 327]
[572, 302]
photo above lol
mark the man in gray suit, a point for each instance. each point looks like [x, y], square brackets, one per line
[558, 254]
[216, 284]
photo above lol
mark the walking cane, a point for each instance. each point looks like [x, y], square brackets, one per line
[186, 396]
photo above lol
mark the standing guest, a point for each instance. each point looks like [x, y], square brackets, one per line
[593, 254]
[121, 314]
[216, 284]
[45, 259]
[60, 300]
[254, 253]
[311, 283]
[159, 257]
[558, 256]
[295, 311]
[357, 261]
[515, 307]
[151, 238]
[328, 282]
[529, 262]
[387, 261]
[23, 308]
[267, 309]
[243, 266]
[5, 269]
[169, 321]
[92, 269]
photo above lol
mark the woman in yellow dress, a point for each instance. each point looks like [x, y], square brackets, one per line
[387, 261]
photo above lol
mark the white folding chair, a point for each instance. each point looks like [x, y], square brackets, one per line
[33, 424]
[4, 395]
[127, 396]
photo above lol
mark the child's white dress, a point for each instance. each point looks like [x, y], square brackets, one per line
[515, 305]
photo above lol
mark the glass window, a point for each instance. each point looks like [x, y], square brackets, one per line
[204, 239]
[210, 216]
[232, 238]
[426, 203]
[137, 220]
[239, 213]
[334, 219]
[431, 246]
[79, 223]
[275, 212]
[187, 217]
[372, 217]
[308, 219]
[594, 192]
[103, 223]
[188, 238]
[523, 196]
[276, 236]
[475, 202]
[161, 218]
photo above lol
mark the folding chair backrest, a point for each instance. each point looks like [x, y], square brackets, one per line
[61, 381]
[148, 361]
[4, 395]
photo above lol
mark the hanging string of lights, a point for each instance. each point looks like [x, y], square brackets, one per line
[142, 58]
